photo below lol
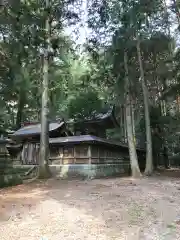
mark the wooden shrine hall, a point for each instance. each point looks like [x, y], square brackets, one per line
[81, 151]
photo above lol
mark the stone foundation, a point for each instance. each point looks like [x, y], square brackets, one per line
[8, 175]
[89, 171]
[10, 180]
[85, 170]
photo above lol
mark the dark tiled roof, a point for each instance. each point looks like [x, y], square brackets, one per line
[97, 116]
[106, 118]
[35, 129]
[85, 138]
[80, 139]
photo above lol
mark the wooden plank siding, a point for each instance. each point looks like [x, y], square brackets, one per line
[78, 154]
[3, 152]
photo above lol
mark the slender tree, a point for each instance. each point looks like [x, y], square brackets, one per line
[129, 122]
[149, 165]
[44, 171]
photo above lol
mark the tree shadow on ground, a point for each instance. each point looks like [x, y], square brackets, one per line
[108, 208]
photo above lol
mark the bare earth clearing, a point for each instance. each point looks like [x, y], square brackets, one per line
[104, 209]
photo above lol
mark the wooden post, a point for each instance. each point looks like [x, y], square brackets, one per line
[89, 153]
[105, 155]
[122, 121]
[89, 156]
[74, 155]
[98, 161]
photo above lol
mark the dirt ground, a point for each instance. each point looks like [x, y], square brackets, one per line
[105, 209]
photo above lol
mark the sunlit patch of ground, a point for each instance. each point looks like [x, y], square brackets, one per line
[105, 209]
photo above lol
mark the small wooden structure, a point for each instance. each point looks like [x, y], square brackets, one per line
[91, 156]
[97, 123]
[87, 153]
[4, 157]
[24, 146]
[86, 149]
[3, 150]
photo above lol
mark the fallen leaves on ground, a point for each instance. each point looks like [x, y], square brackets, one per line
[107, 209]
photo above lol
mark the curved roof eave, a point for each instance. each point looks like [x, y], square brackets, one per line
[99, 117]
[35, 129]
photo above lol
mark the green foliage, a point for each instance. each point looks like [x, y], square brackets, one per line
[21, 48]
[157, 120]
[81, 82]
[84, 104]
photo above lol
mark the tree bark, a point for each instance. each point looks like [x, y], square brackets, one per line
[176, 11]
[20, 108]
[129, 124]
[43, 170]
[149, 164]
[133, 122]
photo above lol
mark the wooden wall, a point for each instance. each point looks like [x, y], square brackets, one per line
[29, 154]
[101, 155]
[3, 152]
[78, 154]
[84, 154]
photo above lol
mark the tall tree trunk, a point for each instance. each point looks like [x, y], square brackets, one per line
[125, 126]
[129, 123]
[168, 28]
[133, 122]
[44, 171]
[20, 108]
[149, 163]
[176, 9]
